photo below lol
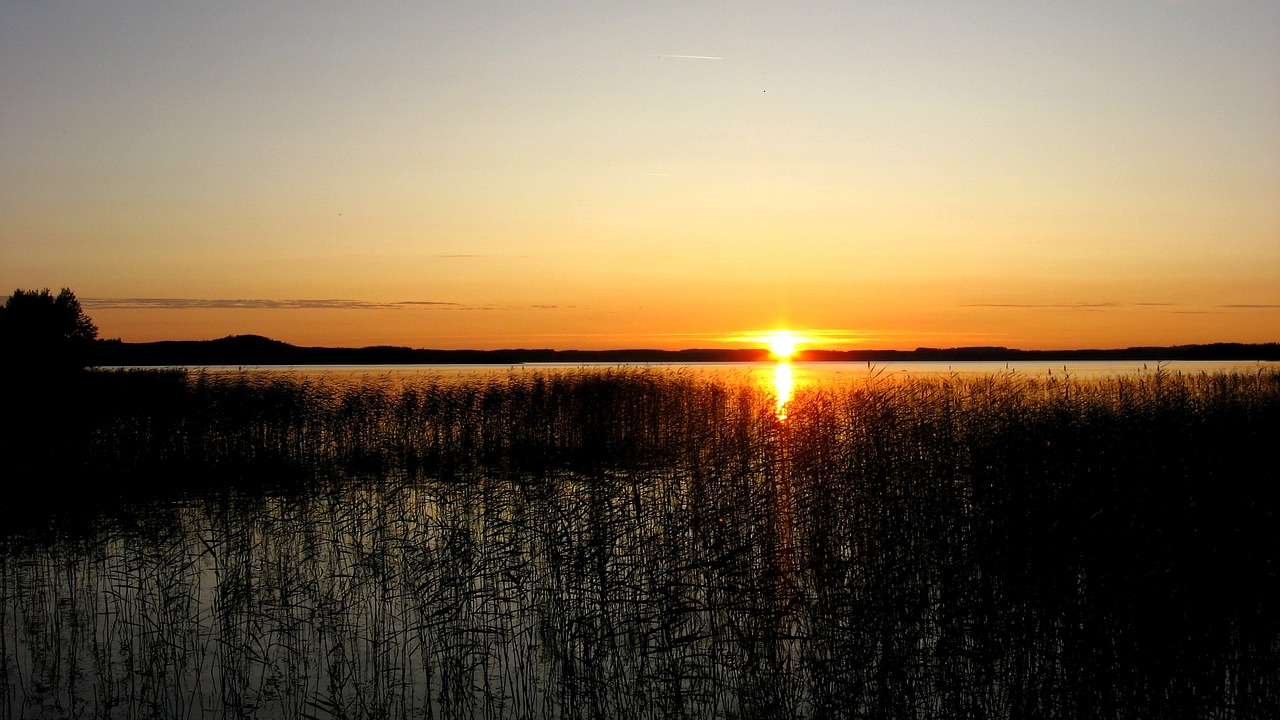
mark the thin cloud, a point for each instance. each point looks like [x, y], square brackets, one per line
[692, 57]
[305, 304]
[811, 337]
[1070, 306]
[1110, 305]
[251, 304]
[459, 306]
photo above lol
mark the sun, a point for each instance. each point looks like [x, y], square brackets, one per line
[783, 344]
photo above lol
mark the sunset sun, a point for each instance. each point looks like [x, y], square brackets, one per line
[783, 344]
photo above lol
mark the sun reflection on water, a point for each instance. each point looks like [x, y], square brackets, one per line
[783, 385]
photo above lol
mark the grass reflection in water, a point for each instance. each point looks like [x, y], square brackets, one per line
[650, 544]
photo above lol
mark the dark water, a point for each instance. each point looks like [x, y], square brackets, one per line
[606, 596]
[878, 563]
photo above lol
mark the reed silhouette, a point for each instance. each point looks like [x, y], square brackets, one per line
[643, 543]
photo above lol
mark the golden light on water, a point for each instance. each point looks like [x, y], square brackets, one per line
[782, 344]
[783, 385]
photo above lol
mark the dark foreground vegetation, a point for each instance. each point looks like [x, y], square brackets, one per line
[642, 544]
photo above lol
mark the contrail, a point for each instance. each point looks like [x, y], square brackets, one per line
[693, 57]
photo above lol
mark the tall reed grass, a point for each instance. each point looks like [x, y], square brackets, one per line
[641, 543]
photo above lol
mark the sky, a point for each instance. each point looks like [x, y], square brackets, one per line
[1032, 174]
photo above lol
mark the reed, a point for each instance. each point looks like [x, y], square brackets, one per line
[639, 543]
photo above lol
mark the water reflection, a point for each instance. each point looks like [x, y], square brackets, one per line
[609, 594]
[783, 386]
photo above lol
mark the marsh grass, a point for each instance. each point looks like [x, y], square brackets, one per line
[642, 544]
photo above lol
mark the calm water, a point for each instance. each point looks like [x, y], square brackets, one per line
[803, 373]
[817, 368]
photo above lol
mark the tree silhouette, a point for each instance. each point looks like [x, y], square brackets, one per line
[41, 332]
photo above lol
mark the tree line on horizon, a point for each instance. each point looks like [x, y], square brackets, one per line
[258, 350]
[41, 333]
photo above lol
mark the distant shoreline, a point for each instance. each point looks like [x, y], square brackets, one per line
[258, 350]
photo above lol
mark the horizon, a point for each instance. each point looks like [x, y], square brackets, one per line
[665, 176]
[772, 354]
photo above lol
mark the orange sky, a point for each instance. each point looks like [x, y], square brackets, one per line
[609, 175]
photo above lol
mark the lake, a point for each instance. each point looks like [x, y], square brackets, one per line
[838, 370]
[648, 542]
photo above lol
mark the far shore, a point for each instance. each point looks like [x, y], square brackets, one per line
[245, 350]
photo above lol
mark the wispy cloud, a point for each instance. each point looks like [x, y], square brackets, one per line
[246, 304]
[305, 304]
[1071, 306]
[692, 57]
[818, 336]
[1224, 309]
[249, 304]
[1184, 310]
